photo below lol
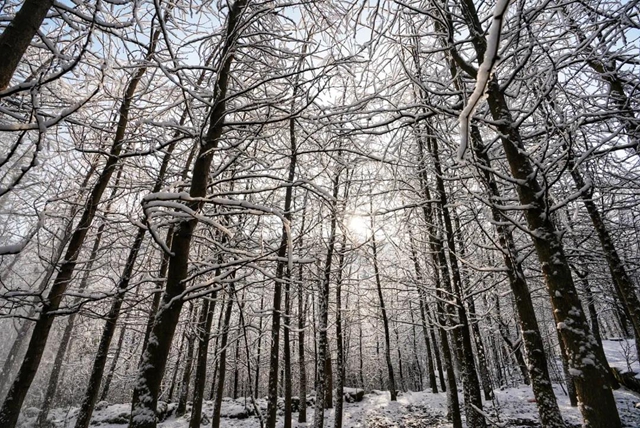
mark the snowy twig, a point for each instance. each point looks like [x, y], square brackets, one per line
[483, 75]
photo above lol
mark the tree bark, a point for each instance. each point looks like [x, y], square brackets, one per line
[383, 311]
[222, 361]
[13, 402]
[17, 36]
[145, 396]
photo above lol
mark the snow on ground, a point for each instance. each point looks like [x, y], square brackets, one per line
[511, 407]
[621, 354]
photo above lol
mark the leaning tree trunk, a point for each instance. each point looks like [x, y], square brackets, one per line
[383, 311]
[533, 345]
[147, 389]
[13, 402]
[17, 36]
[597, 404]
[64, 345]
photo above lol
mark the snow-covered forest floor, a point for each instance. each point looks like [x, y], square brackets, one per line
[511, 407]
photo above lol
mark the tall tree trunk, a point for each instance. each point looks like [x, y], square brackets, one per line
[340, 360]
[204, 334]
[109, 329]
[185, 383]
[418, 384]
[279, 278]
[256, 390]
[423, 318]
[597, 404]
[145, 395]
[322, 382]
[473, 400]
[302, 364]
[437, 254]
[64, 345]
[17, 36]
[13, 402]
[533, 345]
[383, 311]
[222, 361]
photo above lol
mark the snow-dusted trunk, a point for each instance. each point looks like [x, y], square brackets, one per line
[64, 345]
[591, 378]
[147, 389]
[302, 364]
[287, 354]
[533, 345]
[470, 382]
[185, 382]
[419, 279]
[13, 402]
[256, 388]
[439, 267]
[340, 358]
[16, 37]
[624, 287]
[430, 366]
[487, 388]
[483, 370]
[383, 312]
[282, 275]
[100, 361]
[222, 360]
[323, 309]
[204, 332]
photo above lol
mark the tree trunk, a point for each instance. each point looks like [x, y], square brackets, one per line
[302, 371]
[383, 311]
[17, 36]
[64, 345]
[186, 372]
[340, 360]
[222, 361]
[204, 334]
[13, 402]
[538, 370]
[322, 382]
[145, 395]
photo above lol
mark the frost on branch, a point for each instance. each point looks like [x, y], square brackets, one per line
[483, 76]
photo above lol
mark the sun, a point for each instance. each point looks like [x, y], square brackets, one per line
[358, 225]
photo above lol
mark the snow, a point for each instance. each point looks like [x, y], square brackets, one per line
[511, 407]
[621, 355]
[483, 75]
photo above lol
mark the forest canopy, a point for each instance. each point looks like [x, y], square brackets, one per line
[298, 204]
